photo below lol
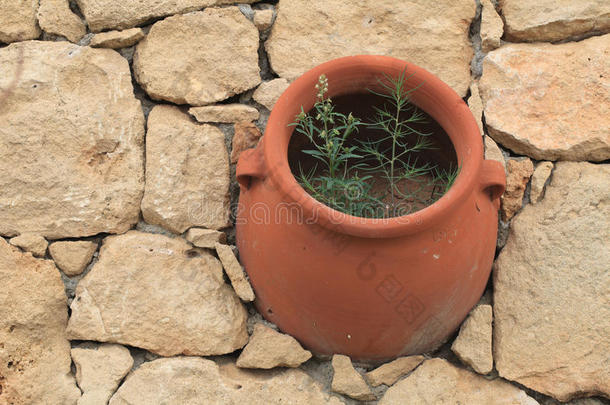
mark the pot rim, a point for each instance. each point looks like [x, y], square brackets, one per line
[450, 112]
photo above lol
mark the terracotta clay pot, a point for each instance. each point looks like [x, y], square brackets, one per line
[372, 289]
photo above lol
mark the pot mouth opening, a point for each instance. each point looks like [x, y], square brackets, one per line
[455, 133]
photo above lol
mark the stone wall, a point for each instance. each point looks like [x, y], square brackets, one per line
[120, 125]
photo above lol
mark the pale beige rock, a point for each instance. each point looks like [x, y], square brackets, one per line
[199, 58]
[18, 20]
[492, 26]
[35, 244]
[268, 349]
[187, 172]
[476, 106]
[550, 101]
[493, 152]
[235, 272]
[99, 371]
[347, 381]
[34, 351]
[554, 20]
[433, 35]
[517, 177]
[159, 294]
[55, 17]
[72, 256]
[473, 343]
[541, 174]
[391, 372]
[121, 14]
[246, 135]
[205, 238]
[267, 93]
[437, 382]
[263, 19]
[193, 380]
[71, 142]
[551, 288]
[117, 39]
[227, 113]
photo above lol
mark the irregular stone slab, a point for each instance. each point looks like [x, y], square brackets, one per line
[55, 17]
[493, 152]
[381, 27]
[268, 92]
[235, 272]
[18, 20]
[193, 380]
[551, 288]
[518, 175]
[268, 349]
[159, 294]
[531, 91]
[541, 174]
[216, 60]
[227, 113]
[72, 257]
[347, 381]
[121, 14]
[35, 244]
[34, 351]
[391, 372]
[246, 136]
[263, 19]
[473, 343]
[492, 27]
[476, 106]
[117, 39]
[72, 116]
[438, 382]
[187, 173]
[554, 20]
[100, 370]
[205, 238]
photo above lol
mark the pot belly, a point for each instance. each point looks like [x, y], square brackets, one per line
[370, 298]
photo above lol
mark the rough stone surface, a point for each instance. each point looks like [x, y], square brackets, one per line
[55, 17]
[433, 35]
[120, 14]
[541, 174]
[34, 351]
[551, 288]
[438, 382]
[187, 172]
[554, 20]
[550, 101]
[159, 294]
[473, 344]
[199, 58]
[71, 141]
[35, 244]
[492, 27]
[391, 372]
[227, 113]
[268, 349]
[518, 175]
[117, 39]
[246, 136]
[18, 20]
[72, 256]
[235, 272]
[493, 152]
[268, 92]
[99, 371]
[347, 381]
[193, 380]
[205, 238]
[263, 19]
[476, 106]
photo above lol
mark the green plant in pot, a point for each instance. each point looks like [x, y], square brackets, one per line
[375, 246]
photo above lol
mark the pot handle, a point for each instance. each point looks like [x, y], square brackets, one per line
[493, 180]
[251, 164]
